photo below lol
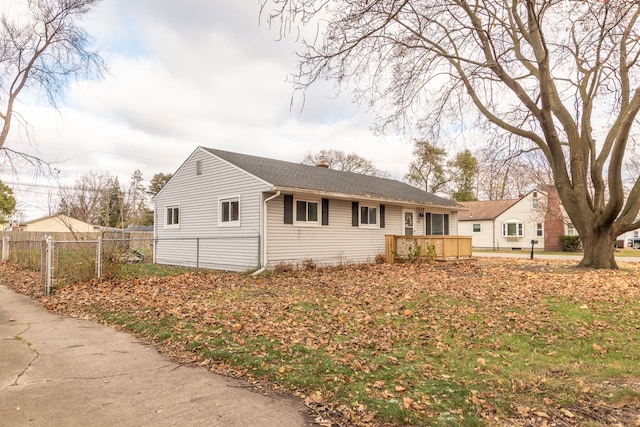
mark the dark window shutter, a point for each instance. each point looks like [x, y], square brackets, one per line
[427, 219]
[354, 214]
[288, 209]
[381, 216]
[325, 211]
[446, 224]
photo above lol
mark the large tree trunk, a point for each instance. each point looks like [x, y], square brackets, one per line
[598, 250]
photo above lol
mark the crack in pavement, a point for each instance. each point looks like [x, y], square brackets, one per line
[18, 337]
[118, 375]
[102, 377]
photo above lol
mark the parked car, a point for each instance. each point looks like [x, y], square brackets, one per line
[634, 243]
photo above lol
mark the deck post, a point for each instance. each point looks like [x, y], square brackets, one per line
[391, 246]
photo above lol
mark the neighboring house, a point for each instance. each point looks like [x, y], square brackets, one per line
[504, 224]
[627, 239]
[58, 224]
[247, 212]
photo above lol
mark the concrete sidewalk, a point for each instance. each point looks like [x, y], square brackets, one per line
[527, 255]
[57, 371]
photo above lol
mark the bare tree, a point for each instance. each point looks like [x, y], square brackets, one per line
[85, 200]
[348, 162]
[100, 199]
[560, 76]
[41, 48]
[505, 175]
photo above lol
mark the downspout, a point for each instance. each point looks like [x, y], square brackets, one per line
[264, 234]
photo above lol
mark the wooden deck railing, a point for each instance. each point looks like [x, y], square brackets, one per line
[446, 247]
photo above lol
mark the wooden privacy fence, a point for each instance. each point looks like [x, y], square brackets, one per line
[445, 247]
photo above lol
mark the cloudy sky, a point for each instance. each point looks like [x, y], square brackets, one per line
[180, 75]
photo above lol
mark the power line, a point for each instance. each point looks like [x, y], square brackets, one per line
[19, 184]
[26, 184]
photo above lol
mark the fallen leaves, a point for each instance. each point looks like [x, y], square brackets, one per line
[387, 334]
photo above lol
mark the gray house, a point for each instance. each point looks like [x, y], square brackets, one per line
[230, 211]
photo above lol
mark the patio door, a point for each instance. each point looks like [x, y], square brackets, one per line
[408, 223]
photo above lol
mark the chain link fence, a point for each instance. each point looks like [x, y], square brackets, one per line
[69, 261]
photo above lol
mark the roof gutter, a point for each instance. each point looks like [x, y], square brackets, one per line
[264, 234]
[359, 197]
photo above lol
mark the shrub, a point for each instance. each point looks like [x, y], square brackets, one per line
[283, 267]
[308, 264]
[413, 252]
[570, 243]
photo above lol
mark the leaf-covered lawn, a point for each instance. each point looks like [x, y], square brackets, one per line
[492, 342]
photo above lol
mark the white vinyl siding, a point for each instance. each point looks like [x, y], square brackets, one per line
[512, 229]
[484, 239]
[198, 197]
[334, 244]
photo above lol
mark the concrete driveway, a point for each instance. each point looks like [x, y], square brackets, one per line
[57, 371]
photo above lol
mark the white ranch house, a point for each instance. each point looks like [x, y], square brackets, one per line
[506, 224]
[246, 212]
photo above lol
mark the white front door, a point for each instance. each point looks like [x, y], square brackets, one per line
[408, 223]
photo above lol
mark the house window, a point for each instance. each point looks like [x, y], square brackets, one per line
[436, 224]
[512, 229]
[368, 215]
[198, 167]
[173, 217]
[571, 230]
[539, 230]
[306, 212]
[229, 211]
[477, 228]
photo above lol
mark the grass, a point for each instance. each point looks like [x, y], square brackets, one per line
[490, 343]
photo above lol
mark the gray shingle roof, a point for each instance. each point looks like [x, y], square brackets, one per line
[294, 175]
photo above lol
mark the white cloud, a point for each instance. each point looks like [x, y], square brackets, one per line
[189, 73]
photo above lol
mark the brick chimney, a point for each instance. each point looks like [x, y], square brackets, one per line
[323, 163]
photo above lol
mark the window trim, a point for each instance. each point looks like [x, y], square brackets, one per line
[176, 225]
[519, 228]
[306, 222]
[367, 208]
[229, 223]
[534, 203]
